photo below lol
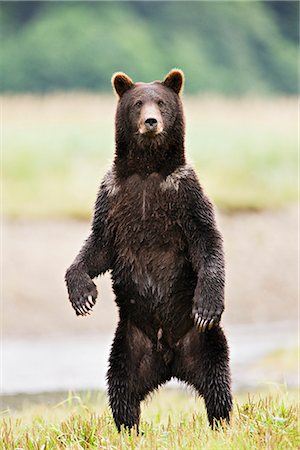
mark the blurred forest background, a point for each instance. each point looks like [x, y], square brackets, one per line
[226, 47]
[240, 100]
[238, 59]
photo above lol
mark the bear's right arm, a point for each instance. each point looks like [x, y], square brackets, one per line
[93, 259]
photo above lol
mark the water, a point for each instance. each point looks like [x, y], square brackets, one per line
[80, 362]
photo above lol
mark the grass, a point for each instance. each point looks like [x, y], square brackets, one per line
[172, 420]
[57, 147]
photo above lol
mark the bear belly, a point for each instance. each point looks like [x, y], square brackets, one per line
[155, 288]
[152, 273]
[151, 267]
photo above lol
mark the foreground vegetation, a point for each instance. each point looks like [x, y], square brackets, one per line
[57, 147]
[172, 420]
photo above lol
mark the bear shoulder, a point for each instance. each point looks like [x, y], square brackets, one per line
[182, 176]
[110, 183]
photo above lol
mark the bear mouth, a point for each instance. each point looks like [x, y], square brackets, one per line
[145, 132]
[150, 139]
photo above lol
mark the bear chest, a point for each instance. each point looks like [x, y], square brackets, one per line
[142, 213]
[148, 240]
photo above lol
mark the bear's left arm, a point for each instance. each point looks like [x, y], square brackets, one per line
[205, 251]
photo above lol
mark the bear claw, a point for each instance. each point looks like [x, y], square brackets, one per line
[90, 301]
[84, 305]
[82, 291]
[202, 325]
[206, 320]
[211, 324]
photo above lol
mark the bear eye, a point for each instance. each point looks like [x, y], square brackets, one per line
[138, 103]
[160, 102]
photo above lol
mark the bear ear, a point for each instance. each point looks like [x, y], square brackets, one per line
[174, 80]
[121, 83]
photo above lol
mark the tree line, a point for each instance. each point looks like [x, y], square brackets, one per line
[231, 48]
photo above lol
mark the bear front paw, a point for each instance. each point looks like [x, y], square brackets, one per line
[84, 304]
[82, 293]
[207, 318]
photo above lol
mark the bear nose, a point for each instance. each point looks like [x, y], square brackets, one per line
[151, 123]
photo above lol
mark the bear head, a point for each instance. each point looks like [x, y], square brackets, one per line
[149, 125]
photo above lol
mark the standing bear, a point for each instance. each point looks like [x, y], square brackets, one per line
[155, 230]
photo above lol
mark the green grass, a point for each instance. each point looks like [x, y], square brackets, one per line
[171, 420]
[56, 148]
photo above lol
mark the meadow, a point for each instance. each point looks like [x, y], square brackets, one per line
[56, 147]
[172, 420]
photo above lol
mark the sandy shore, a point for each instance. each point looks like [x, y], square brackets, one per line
[261, 256]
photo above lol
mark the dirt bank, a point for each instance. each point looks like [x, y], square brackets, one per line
[261, 255]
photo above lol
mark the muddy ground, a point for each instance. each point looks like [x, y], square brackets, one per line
[261, 258]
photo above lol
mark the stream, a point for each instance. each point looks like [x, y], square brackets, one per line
[79, 362]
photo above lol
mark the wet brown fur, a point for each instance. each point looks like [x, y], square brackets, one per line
[155, 230]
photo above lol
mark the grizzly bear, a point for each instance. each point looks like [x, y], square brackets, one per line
[155, 230]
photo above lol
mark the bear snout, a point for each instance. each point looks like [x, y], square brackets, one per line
[151, 123]
[151, 126]
[150, 120]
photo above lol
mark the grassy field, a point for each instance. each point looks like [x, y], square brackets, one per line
[56, 147]
[172, 420]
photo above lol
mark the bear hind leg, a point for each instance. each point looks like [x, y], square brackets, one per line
[202, 361]
[135, 370]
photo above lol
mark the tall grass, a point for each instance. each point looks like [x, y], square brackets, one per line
[171, 421]
[57, 147]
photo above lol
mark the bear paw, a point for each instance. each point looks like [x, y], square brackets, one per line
[206, 319]
[82, 294]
